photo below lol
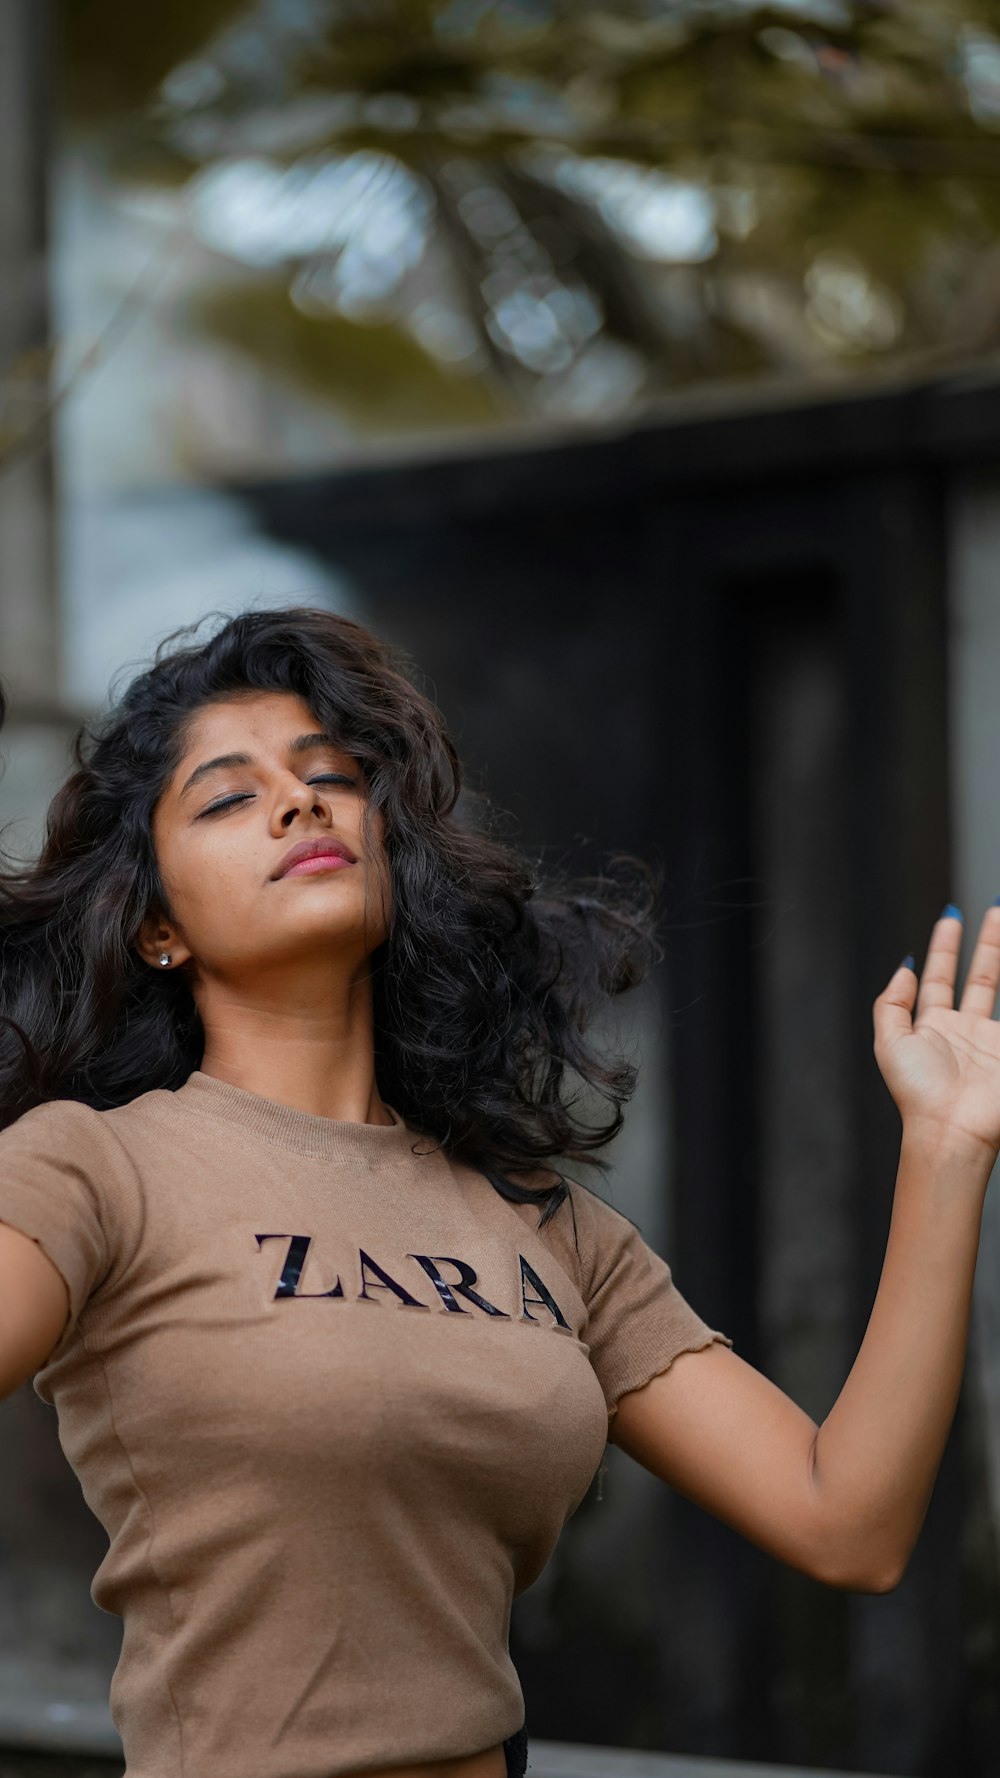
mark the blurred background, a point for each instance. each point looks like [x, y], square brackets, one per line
[636, 367]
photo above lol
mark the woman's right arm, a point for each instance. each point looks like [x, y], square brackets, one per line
[34, 1306]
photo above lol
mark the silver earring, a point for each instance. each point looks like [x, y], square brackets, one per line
[165, 959]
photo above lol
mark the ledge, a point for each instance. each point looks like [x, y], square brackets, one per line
[565, 1759]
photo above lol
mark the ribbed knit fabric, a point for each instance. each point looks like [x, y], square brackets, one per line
[332, 1399]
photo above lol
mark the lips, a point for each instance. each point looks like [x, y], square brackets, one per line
[313, 849]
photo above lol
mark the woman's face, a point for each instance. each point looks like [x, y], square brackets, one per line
[222, 828]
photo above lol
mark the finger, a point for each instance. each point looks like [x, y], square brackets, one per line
[937, 982]
[893, 1010]
[981, 984]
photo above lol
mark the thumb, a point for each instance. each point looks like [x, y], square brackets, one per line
[893, 1009]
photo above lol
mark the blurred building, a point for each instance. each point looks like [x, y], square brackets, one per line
[697, 549]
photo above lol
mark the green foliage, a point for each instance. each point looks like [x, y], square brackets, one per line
[375, 377]
[845, 155]
[112, 55]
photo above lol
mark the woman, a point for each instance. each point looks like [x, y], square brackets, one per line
[335, 1348]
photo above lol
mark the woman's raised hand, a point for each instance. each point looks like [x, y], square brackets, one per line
[940, 1062]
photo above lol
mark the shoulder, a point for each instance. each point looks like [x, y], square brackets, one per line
[586, 1232]
[69, 1134]
[53, 1120]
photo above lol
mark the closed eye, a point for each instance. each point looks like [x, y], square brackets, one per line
[229, 801]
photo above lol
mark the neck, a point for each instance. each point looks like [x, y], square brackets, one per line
[326, 1090]
[311, 1055]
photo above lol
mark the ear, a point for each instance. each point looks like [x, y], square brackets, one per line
[157, 936]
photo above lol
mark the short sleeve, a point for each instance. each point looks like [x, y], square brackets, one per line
[637, 1319]
[50, 1172]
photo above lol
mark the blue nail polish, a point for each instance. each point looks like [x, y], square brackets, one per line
[908, 961]
[950, 912]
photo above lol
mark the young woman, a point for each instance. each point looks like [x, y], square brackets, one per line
[288, 1056]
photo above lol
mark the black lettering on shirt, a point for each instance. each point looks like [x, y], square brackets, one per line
[545, 1299]
[387, 1283]
[291, 1271]
[447, 1291]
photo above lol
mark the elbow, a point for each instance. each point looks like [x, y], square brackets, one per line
[882, 1580]
[856, 1559]
[871, 1573]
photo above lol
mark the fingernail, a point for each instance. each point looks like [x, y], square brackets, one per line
[908, 961]
[950, 912]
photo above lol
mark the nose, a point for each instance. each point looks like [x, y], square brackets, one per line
[304, 796]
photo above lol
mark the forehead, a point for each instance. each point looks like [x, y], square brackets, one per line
[267, 716]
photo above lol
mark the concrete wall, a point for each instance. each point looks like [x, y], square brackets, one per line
[974, 667]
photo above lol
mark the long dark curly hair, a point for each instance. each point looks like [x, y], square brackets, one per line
[483, 991]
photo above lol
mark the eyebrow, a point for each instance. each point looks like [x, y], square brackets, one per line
[301, 744]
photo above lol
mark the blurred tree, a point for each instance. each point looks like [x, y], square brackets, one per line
[581, 206]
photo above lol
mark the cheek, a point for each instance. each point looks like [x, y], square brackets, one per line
[211, 886]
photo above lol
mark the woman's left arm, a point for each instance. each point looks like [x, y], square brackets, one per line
[845, 1501]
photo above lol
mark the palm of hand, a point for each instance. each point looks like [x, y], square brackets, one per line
[942, 1065]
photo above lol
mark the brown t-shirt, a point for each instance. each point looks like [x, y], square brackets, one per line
[332, 1399]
